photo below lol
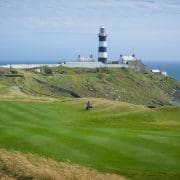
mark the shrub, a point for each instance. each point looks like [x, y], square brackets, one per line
[47, 70]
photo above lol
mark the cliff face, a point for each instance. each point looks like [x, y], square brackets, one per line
[176, 96]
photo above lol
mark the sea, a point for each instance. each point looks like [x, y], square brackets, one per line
[172, 68]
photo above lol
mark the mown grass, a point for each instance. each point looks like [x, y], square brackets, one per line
[114, 137]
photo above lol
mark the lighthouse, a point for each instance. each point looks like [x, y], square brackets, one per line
[102, 50]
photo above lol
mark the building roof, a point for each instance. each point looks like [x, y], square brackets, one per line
[129, 58]
[85, 59]
[156, 71]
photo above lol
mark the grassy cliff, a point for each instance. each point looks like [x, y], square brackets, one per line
[116, 84]
[119, 84]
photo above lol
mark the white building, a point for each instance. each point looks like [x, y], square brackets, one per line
[164, 73]
[27, 66]
[95, 64]
[157, 71]
[125, 59]
[85, 59]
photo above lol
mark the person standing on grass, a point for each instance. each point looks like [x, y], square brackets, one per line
[88, 105]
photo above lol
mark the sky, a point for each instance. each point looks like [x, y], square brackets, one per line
[33, 31]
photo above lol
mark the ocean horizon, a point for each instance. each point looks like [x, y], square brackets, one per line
[172, 68]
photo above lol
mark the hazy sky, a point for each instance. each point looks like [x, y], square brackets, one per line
[52, 30]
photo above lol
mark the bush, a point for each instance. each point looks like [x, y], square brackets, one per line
[47, 70]
[14, 75]
[13, 71]
[125, 69]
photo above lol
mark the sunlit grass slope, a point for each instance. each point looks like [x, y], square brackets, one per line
[116, 84]
[113, 137]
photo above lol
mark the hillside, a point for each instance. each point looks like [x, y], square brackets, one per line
[115, 137]
[43, 114]
[119, 84]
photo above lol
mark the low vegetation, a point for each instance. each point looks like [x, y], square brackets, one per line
[16, 165]
[117, 84]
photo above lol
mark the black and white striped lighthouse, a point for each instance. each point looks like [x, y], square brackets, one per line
[102, 51]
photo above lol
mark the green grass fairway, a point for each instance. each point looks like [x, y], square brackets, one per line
[115, 137]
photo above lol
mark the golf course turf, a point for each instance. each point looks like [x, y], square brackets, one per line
[113, 137]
